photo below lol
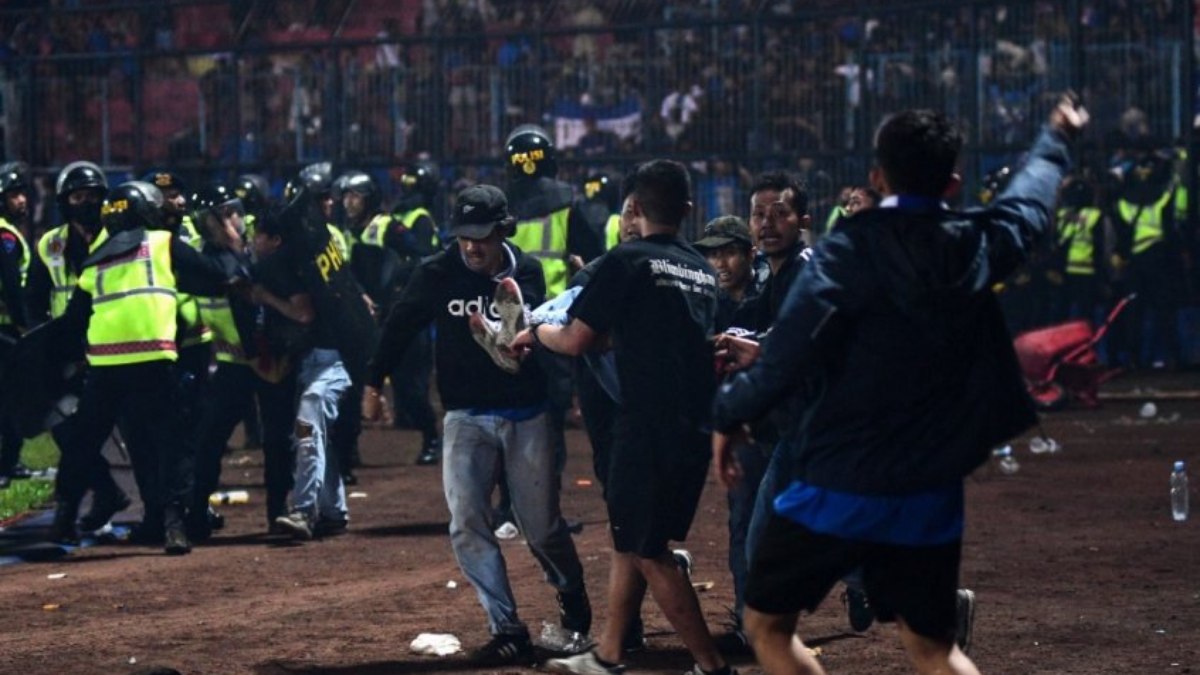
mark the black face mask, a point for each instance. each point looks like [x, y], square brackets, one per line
[86, 214]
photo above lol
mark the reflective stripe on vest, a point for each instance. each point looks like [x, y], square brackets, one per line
[188, 233]
[133, 304]
[1076, 231]
[1147, 231]
[376, 230]
[217, 315]
[612, 231]
[1181, 203]
[546, 239]
[5, 318]
[52, 249]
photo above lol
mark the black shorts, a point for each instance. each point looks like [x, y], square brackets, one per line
[655, 477]
[794, 568]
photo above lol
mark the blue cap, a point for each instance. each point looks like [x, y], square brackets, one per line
[1179, 465]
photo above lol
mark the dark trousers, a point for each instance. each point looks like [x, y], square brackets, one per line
[348, 427]
[753, 458]
[10, 440]
[410, 387]
[1154, 278]
[233, 390]
[145, 395]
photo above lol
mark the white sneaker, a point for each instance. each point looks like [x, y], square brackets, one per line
[582, 664]
[511, 308]
[487, 335]
[507, 530]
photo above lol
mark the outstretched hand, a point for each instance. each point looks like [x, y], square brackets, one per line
[734, 353]
[1069, 116]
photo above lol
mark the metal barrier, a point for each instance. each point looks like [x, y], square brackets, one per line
[730, 94]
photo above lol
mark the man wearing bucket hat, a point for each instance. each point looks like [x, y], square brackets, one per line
[494, 415]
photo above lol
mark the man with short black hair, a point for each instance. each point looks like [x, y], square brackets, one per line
[655, 298]
[494, 417]
[894, 323]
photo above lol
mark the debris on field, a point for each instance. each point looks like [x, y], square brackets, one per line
[57, 575]
[1148, 410]
[702, 586]
[583, 482]
[50, 607]
[357, 495]
[435, 644]
[452, 584]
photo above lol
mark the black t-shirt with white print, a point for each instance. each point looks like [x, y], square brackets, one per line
[657, 299]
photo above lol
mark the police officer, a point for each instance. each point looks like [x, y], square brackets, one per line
[14, 268]
[252, 189]
[126, 303]
[217, 211]
[1145, 214]
[551, 228]
[79, 190]
[395, 242]
[317, 180]
[602, 207]
[1081, 229]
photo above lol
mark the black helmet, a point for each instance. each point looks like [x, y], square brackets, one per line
[78, 176]
[1148, 178]
[993, 184]
[361, 183]
[317, 178]
[165, 180]
[14, 176]
[252, 190]
[212, 197]
[132, 205]
[604, 189]
[530, 153]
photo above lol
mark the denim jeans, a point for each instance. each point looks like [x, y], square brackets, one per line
[318, 489]
[742, 500]
[473, 448]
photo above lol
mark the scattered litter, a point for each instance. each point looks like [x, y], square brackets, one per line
[1148, 410]
[702, 586]
[229, 497]
[583, 482]
[1043, 444]
[1168, 419]
[435, 644]
[51, 607]
[452, 584]
[813, 651]
[357, 495]
[132, 660]
[57, 575]
[244, 459]
[1160, 631]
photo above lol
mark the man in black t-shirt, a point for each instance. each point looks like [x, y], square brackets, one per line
[311, 343]
[494, 419]
[656, 300]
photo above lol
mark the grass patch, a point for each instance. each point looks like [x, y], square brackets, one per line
[24, 495]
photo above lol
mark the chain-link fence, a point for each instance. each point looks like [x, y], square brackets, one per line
[211, 89]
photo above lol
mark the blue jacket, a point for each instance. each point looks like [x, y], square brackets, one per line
[895, 341]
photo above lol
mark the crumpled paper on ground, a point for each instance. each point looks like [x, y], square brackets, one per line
[435, 644]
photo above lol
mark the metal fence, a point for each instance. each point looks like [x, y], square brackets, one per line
[781, 85]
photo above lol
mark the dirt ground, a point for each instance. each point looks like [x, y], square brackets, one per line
[1076, 562]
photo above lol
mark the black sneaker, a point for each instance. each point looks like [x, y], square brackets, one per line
[685, 562]
[575, 611]
[430, 453]
[504, 650]
[859, 609]
[102, 511]
[63, 529]
[176, 541]
[965, 623]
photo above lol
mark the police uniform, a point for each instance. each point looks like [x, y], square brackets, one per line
[14, 268]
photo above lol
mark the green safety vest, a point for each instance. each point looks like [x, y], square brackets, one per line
[1076, 231]
[218, 317]
[1147, 230]
[545, 238]
[51, 249]
[5, 317]
[376, 230]
[339, 241]
[133, 304]
[612, 231]
[195, 332]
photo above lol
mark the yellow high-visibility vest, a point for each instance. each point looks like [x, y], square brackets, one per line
[1147, 231]
[1076, 230]
[195, 332]
[218, 317]
[133, 304]
[339, 241]
[52, 249]
[546, 239]
[5, 316]
[612, 231]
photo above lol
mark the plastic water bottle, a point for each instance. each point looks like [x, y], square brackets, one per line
[1179, 492]
[229, 497]
[1008, 463]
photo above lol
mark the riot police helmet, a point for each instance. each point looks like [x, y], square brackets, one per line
[530, 153]
[132, 205]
